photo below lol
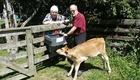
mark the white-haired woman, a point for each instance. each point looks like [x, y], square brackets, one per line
[54, 17]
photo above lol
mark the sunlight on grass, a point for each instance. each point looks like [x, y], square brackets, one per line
[122, 68]
[3, 53]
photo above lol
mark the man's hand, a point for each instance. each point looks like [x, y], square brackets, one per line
[64, 34]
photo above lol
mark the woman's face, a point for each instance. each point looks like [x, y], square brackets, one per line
[54, 14]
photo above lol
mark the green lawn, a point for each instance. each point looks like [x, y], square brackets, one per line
[123, 68]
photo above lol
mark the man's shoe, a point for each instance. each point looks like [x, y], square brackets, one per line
[80, 72]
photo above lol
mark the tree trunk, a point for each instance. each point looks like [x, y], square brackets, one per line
[10, 22]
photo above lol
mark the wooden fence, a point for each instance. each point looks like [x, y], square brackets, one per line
[9, 64]
[117, 30]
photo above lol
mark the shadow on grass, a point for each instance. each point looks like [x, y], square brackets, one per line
[55, 62]
[88, 66]
[4, 76]
[47, 63]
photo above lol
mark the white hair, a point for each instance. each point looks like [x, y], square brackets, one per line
[54, 8]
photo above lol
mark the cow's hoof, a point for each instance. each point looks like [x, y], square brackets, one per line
[68, 75]
[109, 72]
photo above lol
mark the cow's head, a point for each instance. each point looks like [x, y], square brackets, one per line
[63, 50]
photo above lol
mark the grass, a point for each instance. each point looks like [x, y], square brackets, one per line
[122, 69]
[59, 71]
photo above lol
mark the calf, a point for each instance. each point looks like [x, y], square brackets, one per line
[81, 52]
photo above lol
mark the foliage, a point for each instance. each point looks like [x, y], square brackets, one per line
[127, 67]
[97, 9]
[135, 50]
[114, 9]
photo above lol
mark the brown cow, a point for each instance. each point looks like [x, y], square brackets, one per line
[81, 52]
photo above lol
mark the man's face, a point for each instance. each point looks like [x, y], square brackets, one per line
[54, 14]
[73, 11]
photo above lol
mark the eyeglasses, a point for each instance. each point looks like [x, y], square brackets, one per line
[72, 10]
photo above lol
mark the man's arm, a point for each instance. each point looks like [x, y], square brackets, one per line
[71, 31]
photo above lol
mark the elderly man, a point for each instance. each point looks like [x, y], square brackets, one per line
[78, 29]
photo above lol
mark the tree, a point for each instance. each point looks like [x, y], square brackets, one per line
[10, 22]
[26, 21]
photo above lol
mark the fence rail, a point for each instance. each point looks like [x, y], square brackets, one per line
[115, 22]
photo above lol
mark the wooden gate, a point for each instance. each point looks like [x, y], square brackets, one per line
[31, 35]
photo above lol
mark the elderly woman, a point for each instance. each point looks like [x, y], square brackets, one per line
[54, 17]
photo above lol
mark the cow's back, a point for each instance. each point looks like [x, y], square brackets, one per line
[94, 42]
[90, 47]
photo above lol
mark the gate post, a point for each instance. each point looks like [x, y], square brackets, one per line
[30, 51]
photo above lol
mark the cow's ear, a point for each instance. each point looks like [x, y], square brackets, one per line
[66, 47]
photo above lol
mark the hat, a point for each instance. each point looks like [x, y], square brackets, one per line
[54, 8]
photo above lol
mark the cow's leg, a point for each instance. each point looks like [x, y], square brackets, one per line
[107, 61]
[72, 67]
[77, 65]
[103, 60]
